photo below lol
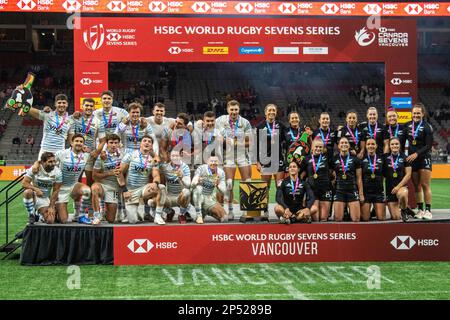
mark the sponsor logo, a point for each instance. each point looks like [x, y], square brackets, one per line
[113, 36]
[178, 50]
[398, 81]
[401, 102]
[372, 8]
[86, 81]
[26, 4]
[287, 8]
[201, 7]
[251, 50]
[403, 242]
[243, 7]
[3, 2]
[94, 37]
[116, 6]
[329, 8]
[215, 50]
[315, 50]
[413, 8]
[364, 38]
[286, 50]
[448, 8]
[71, 5]
[140, 245]
[157, 6]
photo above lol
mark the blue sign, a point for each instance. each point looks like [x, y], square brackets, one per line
[251, 50]
[401, 102]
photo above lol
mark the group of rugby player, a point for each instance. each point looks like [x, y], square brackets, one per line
[140, 168]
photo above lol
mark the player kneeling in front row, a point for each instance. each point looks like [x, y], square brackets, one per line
[38, 188]
[137, 167]
[207, 178]
[178, 182]
[107, 177]
[290, 198]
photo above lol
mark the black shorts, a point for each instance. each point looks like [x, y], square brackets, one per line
[422, 162]
[391, 197]
[323, 194]
[374, 197]
[346, 196]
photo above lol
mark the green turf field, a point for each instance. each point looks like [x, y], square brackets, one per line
[409, 280]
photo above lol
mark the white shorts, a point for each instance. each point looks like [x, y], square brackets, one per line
[209, 201]
[171, 201]
[41, 203]
[136, 194]
[110, 194]
[65, 193]
[238, 161]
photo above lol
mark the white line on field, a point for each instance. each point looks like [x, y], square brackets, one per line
[297, 295]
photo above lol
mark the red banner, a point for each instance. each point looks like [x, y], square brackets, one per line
[134, 245]
[393, 42]
[389, 9]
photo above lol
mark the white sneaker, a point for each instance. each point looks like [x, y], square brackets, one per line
[199, 219]
[285, 221]
[230, 216]
[427, 215]
[159, 220]
[419, 214]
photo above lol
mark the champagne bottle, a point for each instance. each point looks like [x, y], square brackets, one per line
[22, 98]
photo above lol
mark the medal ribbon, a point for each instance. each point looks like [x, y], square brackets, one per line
[354, 136]
[59, 125]
[294, 188]
[86, 129]
[108, 125]
[394, 165]
[372, 166]
[344, 167]
[292, 134]
[316, 167]
[396, 131]
[236, 125]
[415, 132]
[374, 133]
[325, 140]
[75, 166]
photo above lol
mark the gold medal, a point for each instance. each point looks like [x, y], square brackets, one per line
[414, 142]
[372, 175]
[315, 176]
[395, 175]
[344, 176]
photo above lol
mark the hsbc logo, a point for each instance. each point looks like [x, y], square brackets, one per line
[448, 8]
[372, 8]
[116, 6]
[26, 4]
[243, 7]
[71, 5]
[140, 245]
[287, 8]
[413, 8]
[398, 81]
[94, 37]
[329, 8]
[113, 36]
[201, 7]
[403, 242]
[157, 6]
[174, 50]
[85, 81]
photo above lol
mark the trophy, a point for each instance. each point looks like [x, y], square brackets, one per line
[22, 98]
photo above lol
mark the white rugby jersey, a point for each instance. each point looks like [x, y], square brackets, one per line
[112, 162]
[173, 182]
[110, 120]
[139, 170]
[56, 129]
[160, 130]
[209, 179]
[90, 128]
[44, 180]
[229, 129]
[131, 137]
[204, 139]
[71, 165]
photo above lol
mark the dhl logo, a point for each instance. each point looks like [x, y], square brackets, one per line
[404, 116]
[215, 50]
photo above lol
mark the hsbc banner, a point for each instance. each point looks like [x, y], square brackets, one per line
[101, 40]
[134, 245]
[92, 79]
[231, 7]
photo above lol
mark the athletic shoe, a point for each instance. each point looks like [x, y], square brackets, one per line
[230, 216]
[96, 221]
[159, 220]
[84, 220]
[188, 217]
[419, 214]
[427, 215]
[283, 220]
[404, 214]
[182, 219]
[199, 219]
[170, 215]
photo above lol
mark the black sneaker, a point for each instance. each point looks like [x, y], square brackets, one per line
[31, 219]
[405, 216]
[188, 217]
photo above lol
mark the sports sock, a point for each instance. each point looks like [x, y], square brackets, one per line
[420, 205]
[428, 207]
[29, 205]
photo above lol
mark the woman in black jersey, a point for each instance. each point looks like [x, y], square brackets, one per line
[293, 132]
[419, 135]
[290, 198]
[397, 172]
[372, 129]
[316, 169]
[352, 133]
[393, 129]
[349, 187]
[372, 176]
[325, 133]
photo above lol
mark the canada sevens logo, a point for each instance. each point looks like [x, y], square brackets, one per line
[253, 196]
[94, 37]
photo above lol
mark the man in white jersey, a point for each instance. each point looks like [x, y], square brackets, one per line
[178, 182]
[133, 128]
[72, 162]
[137, 167]
[109, 116]
[56, 125]
[207, 139]
[207, 178]
[89, 126]
[178, 138]
[236, 132]
[107, 175]
[41, 189]
[159, 123]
